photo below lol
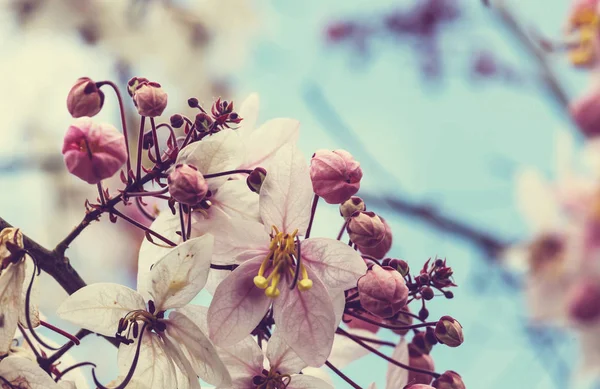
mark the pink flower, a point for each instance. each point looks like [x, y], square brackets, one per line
[150, 99]
[93, 151]
[584, 301]
[335, 175]
[84, 99]
[187, 185]
[585, 111]
[306, 311]
[382, 291]
[246, 363]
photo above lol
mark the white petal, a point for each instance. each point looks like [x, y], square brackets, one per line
[11, 284]
[34, 312]
[286, 194]
[338, 299]
[200, 351]
[70, 385]
[536, 201]
[180, 275]
[214, 154]
[99, 307]
[237, 241]
[319, 372]
[306, 321]
[154, 368]
[337, 264]
[186, 376]
[346, 351]
[301, 381]
[167, 225]
[249, 113]
[396, 376]
[16, 369]
[282, 357]
[372, 386]
[235, 199]
[264, 142]
[244, 359]
[237, 306]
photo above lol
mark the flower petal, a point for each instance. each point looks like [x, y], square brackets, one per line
[235, 199]
[337, 264]
[15, 369]
[249, 113]
[237, 241]
[186, 376]
[396, 376]
[301, 381]
[282, 357]
[306, 321]
[167, 225]
[264, 142]
[237, 306]
[11, 284]
[99, 307]
[180, 275]
[286, 193]
[338, 299]
[243, 360]
[346, 351]
[154, 368]
[214, 154]
[199, 350]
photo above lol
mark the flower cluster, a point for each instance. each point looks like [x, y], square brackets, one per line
[239, 204]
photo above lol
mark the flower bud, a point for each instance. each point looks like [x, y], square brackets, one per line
[176, 121]
[382, 247]
[420, 361]
[449, 332]
[584, 301]
[335, 175]
[351, 206]
[134, 83]
[585, 112]
[382, 291]
[449, 380]
[401, 319]
[187, 185]
[366, 229]
[84, 98]
[419, 386]
[11, 246]
[93, 151]
[256, 178]
[150, 99]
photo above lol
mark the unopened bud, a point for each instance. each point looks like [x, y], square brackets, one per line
[352, 206]
[382, 247]
[423, 313]
[382, 291]
[150, 99]
[449, 332]
[419, 386]
[193, 102]
[176, 121]
[187, 185]
[366, 229]
[335, 175]
[427, 293]
[134, 83]
[420, 361]
[402, 318]
[449, 380]
[203, 122]
[584, 301]
[93, 152]
[256, 178]
[421, 343]
[84, 98]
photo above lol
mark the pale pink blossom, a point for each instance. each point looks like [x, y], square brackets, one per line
[335, 175]
[93, 152]
[305, 315]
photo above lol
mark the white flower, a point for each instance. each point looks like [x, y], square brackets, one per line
[173, 349]
[24, 373]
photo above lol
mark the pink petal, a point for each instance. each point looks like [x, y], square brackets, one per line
[303, 381]
[282, 357]
[306, 321]
[237, 306]
[336, 263]
[286, 194]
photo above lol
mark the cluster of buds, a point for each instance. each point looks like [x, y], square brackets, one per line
[221, 116]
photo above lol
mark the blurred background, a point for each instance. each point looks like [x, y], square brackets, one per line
[439, 100]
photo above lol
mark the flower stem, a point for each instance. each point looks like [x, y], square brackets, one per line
[342, 375]
[229, 172]
[140, 148]
[313, 210]
[144, 228]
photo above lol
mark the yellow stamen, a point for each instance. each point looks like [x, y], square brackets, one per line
[305, 283]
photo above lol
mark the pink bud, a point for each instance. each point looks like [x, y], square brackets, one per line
[363, 325]
[448, 331]
[352, 206]
[401, 319]
[449, 380]
[420, 361]
[335, 175]
[366, 229]
[93, 151]
[584, 301]
[382, 247]
[382, 291]
[187, 185]
[84, 98]
[585, 111]
[419, 386]
[150, 99]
